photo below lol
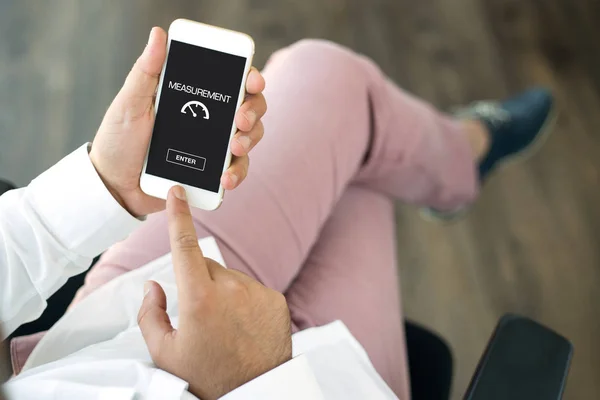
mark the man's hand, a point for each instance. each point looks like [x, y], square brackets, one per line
[121, 143]
[231, 328]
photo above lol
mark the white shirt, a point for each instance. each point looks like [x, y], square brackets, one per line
[51, 230]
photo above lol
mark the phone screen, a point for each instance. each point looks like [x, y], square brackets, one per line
[197, 104]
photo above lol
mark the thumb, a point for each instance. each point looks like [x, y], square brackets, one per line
[137, 94]
[154, 322]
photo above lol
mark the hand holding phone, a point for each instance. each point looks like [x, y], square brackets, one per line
[122, 141]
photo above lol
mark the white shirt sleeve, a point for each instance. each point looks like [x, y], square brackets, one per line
[293, 380]
[50, 231]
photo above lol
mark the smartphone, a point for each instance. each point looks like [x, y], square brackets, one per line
[201, 87]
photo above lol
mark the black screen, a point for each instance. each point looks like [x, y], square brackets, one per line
[195, 115]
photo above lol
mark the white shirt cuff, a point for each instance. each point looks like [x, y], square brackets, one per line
[165, 386]
[77, 208]
[293, 380]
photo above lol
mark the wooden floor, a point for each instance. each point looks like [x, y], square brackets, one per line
[531, 245]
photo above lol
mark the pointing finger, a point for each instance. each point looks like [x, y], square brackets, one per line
[188, 260]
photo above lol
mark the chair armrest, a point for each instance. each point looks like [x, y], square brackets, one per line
[523, 360]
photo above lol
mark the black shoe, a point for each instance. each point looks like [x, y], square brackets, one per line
[517, 127]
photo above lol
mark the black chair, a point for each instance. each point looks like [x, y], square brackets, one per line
[430, 363]
[5, 186]
[523, 360]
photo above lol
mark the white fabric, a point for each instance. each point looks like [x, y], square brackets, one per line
[50, 231]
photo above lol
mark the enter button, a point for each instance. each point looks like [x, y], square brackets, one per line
[186, 159]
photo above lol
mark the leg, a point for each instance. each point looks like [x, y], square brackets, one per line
[334, 119]
[351, 275]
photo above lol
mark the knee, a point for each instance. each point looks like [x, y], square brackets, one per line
[322, 53]
[317, 46]
[327, 70]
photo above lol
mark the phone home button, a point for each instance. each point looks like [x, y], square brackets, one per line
[186, 159]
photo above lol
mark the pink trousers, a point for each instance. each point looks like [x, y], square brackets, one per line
[315, 217]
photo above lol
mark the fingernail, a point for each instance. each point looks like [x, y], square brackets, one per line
[245, 142]
[147, 287]
[251, 117]
[179, 192]
[234, 179]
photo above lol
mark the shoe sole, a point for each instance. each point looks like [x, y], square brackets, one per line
[518, 157]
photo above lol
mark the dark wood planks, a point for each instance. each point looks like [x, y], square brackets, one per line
[530, 245]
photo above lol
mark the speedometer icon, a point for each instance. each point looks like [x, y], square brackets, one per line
[194, 106]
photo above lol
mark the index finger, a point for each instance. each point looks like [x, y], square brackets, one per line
[255, 83]
[188, 260]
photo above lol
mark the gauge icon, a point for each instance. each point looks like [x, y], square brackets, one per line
[194, 106]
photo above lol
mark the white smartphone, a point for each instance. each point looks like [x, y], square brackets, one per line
[202, 85]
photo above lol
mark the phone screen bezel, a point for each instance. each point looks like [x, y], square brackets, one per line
[213, 38]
